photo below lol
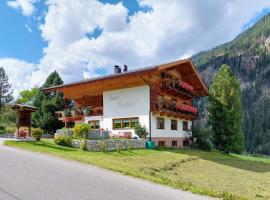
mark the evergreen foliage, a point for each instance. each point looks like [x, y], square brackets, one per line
[5, 89]
[249, 56]
[201, 138]
[48, 103]
[225, 111]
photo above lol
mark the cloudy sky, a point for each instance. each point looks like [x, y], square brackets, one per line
[86, 38]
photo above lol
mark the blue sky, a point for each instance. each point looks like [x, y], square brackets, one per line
[85, 38]
[17, 41]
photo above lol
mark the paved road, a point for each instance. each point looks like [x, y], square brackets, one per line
[27, 175]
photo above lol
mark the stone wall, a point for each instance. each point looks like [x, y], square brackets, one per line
[91, 135]
[7, 135]
[110, 145]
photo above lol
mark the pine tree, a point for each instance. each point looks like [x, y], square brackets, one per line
[5, 89]
[48, 103]
[226, 112]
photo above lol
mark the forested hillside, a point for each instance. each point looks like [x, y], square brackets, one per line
[249, 57]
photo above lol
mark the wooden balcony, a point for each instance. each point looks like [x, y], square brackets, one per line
[72, 115]
[177, 88]
[171, 109]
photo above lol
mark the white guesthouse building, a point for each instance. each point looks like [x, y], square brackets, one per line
[158, 97]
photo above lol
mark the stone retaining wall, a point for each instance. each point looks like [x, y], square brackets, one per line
[110, 145]
[7, 135]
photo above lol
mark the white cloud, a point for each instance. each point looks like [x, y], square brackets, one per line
[26, 6]
[19, 73]
[171, 30]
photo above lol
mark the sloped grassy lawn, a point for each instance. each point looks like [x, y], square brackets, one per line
[208, 173]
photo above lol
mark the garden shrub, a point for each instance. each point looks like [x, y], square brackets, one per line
[37, 133]
[81, 130]
[10, 129]
[2, 129]
[140, 130]
[202, 139]
[63, 140]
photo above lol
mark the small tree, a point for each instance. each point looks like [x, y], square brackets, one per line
[28, 96]
[201, 138]
[140, 130]
[81, 130]
[226, 112]
[5, 89]
[37, 133]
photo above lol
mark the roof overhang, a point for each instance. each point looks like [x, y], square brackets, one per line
[95, 86]
[21, 107]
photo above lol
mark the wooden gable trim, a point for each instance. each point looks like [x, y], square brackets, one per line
[172, 65]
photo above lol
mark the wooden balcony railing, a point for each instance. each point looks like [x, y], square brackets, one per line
[72, 114]
[179, 88]
[170, 108]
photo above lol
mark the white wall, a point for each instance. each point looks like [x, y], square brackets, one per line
[126, 103]
[167, 132]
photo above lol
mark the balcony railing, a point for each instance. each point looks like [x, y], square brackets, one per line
[171, 108]
[177, 87]
[73, 114]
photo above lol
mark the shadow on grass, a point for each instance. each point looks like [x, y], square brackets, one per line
[121, 153]
[52, 146]
[224, 159]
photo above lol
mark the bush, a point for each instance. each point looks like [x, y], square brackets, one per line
[10, 129]
[37, 133]
[140, 130]
[63, 140]
[81, 130]
[202, 139]
[2, 129]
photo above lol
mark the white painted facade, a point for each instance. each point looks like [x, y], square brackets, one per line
[167, 132]
[124, 103]
[134, 102]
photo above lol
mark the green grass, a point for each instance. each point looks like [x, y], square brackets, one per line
[209, 173]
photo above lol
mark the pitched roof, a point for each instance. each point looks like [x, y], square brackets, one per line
[130, 72]
[23, 107]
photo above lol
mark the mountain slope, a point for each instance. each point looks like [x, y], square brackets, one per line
[249, 57]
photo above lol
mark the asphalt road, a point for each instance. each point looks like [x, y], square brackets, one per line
[26, 175]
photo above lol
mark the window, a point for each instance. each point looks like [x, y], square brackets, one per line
[174, 143]
[160, 97]
[186, 142]
[161, 143]
[160, 123]
[125, 123]
[95, 124]
[185, 125]
[173, 124]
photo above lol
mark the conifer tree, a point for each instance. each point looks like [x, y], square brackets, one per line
[5, 89]
[226, 112]
[48, 103]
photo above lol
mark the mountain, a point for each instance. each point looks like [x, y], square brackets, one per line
[249, 57]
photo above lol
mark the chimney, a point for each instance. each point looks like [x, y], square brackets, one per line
[125, 68]
[117, 69]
